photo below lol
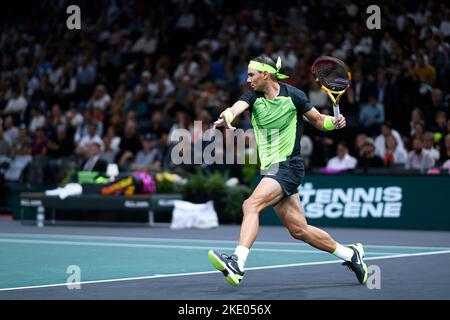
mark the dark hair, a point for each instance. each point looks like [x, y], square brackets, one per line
[387, 124]
[343, 143]
[267, 60]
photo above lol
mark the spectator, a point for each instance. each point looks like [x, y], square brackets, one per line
[62, 145]
[37, 120]
[67, 84]
[380, 141]
[10, 131]
[371, 116]
[82, 147]
[342, 161]
[94, 162]
[129, 145]
[440, 123]
[16, 105]
[100, 99]
[428, 146]
[425, 71]
[147, 44]
[394, 154]
[359, 144]
[317, 96]
[40, 143]
[418, 159]
[445, 154]
[148, 158]
[5, 147]
[419, 130]
[306, 149]
[368, 158]
[23, 140]
[416, 117]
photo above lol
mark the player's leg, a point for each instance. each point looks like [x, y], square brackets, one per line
[267, 193]
[290, 212]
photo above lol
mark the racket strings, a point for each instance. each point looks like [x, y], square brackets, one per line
[332, 76]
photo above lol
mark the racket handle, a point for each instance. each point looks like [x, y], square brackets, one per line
[336, 111]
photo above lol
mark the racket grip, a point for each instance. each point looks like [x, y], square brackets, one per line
[336, 111]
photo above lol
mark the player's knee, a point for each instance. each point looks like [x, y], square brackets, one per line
[250, 206]
[299, 232]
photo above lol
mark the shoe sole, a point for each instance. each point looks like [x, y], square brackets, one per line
[360, 248]
[222, 267]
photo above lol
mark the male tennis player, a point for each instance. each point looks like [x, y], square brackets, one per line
[277, 111]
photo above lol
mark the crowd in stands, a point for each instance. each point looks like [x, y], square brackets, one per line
[116, 90]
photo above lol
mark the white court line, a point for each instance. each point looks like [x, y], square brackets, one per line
[209, 272]
[200, 240]
[158, 246]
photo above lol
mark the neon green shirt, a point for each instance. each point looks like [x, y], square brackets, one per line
[277, 123]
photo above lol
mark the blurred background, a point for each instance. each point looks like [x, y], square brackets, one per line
[115, 91]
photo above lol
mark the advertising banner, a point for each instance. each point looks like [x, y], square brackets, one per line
[381, 201]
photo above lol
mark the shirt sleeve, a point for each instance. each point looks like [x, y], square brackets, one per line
[249, 97]
[300, 100]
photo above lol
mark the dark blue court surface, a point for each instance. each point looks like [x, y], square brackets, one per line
[159, 263]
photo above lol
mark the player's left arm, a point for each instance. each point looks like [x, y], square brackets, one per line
[324, 122]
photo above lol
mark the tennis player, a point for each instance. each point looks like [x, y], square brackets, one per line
[277, 111]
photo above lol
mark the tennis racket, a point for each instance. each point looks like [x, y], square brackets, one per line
[334, 77]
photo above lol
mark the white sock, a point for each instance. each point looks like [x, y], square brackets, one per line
[343, 252]
[242, 253]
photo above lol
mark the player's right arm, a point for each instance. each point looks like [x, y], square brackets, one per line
[229, 114]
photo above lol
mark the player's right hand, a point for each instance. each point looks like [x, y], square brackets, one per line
[222, 122]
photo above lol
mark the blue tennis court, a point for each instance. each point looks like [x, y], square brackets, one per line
[42, 262]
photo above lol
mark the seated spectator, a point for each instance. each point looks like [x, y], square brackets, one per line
[37, 119]
[149, 158]
[419, 159]
[5, 154]
[393, 153]
[62, 145]
[87, 140]
[440, 123]
[20, 162]
[129, 145]
[416, 117]
[371, 116]
[359, 144]
[428, 146]
[380, 141]
[424, 70]
[73, 117]
[5, 146]
[16, 105]
[23, 139]
[40, 143]
[147, 43]
[100, 99]
[306, 149]
[445, 154]
[342, 161]
[317, 96]
[368, 158]
[94, 162]
[11, 132]
[111, 142]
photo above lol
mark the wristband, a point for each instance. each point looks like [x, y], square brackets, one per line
[228, 115]
[328, 123]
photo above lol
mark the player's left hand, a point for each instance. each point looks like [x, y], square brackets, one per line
[339, 122]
